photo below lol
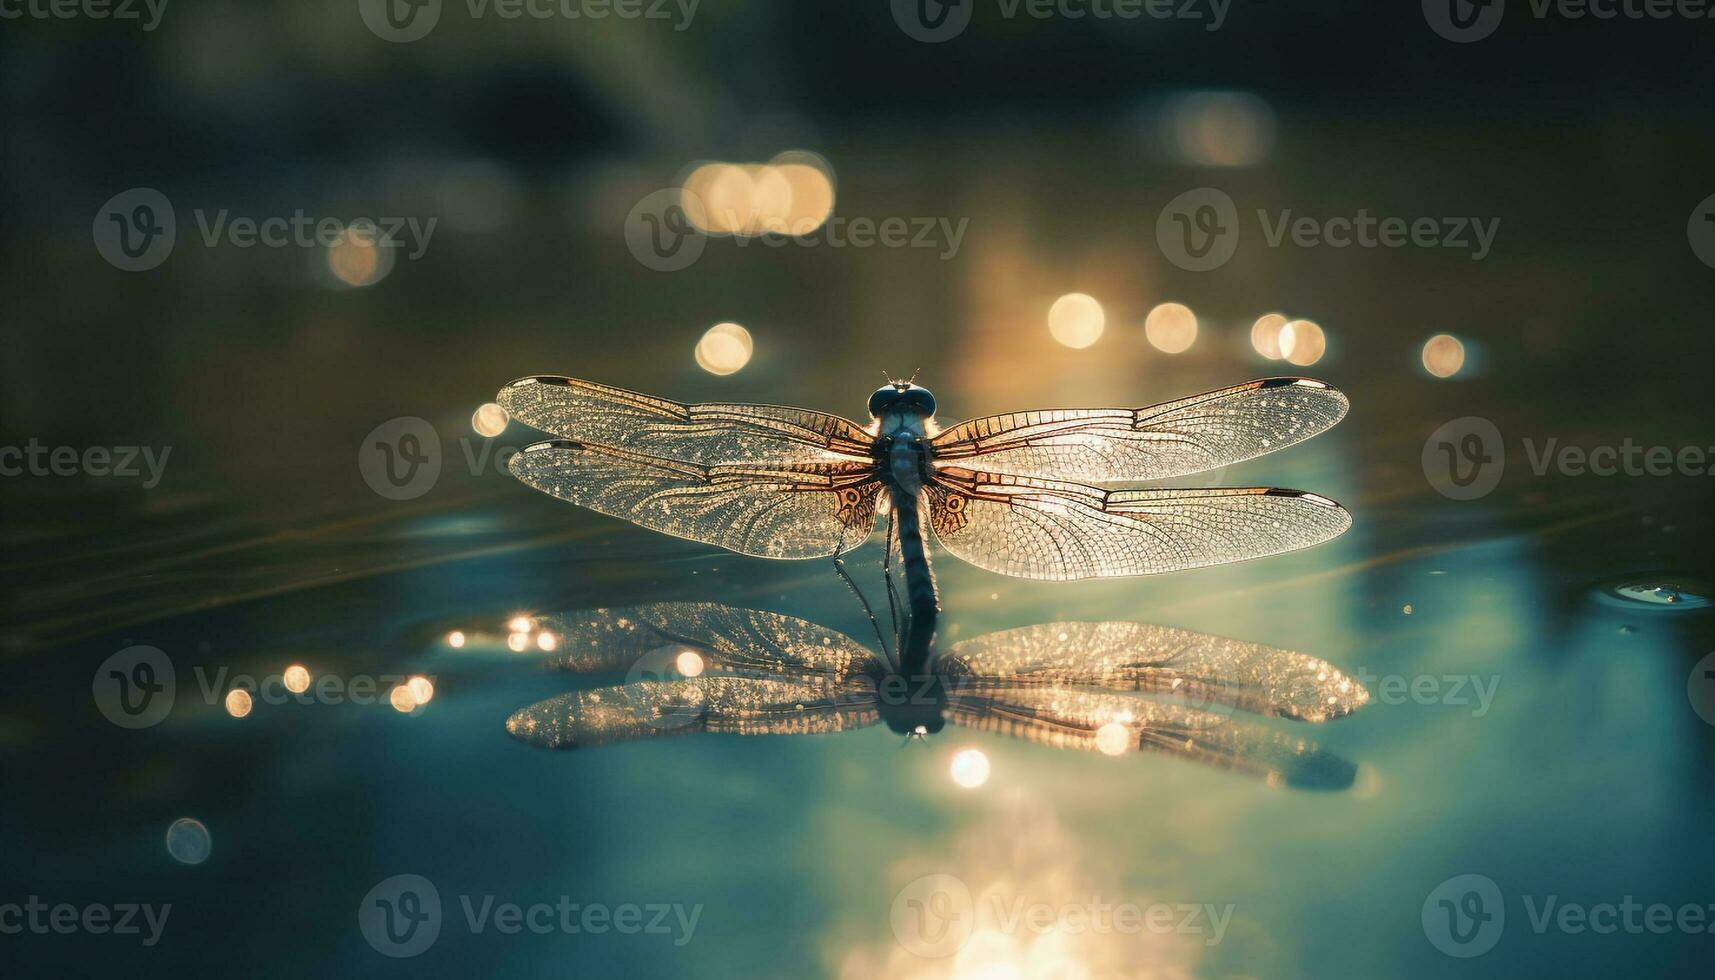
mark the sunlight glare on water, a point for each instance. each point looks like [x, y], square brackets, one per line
[970, 768]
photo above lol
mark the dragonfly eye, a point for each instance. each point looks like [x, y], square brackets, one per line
[883, 400]
[919, 401]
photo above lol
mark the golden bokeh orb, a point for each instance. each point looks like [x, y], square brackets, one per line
[1265, 335]
[297, 678]
[1171, 328]
[238, 702]
[422, 689]
[1076, 320]
[725, 348]
[401, 699]
[357, 257]
[1443, 355]
[689, 663]
[489, 420]
[1302, 342]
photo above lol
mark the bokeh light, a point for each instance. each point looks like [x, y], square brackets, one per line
[421, 689]
[297, 678]
[1076, 320]
[518, 642]
[793, 194]
[357, 257]
[401, 699]
[456, 639]
[520, 624]
[689, 663]
[1171, 328]
[1443, 355]
[238, 702]
[725, 348]
[1220, 129]
[1302, 342]
[969, 768]
[188, 841]
[489, 421]
[1265, 335]
[546, 641]
[1113, 738]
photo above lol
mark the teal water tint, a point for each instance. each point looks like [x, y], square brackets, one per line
[1536, 708]
[1530, 724]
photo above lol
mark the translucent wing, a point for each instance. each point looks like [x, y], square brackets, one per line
[1045, 529]
[1172, 439]
[707, 434]
[728, 641]
[1116, 724]
[1196, 667]
[730, 705]
[803, 510]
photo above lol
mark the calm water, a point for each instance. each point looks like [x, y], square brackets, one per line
[1531, 724]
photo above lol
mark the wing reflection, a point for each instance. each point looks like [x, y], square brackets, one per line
[1110, 687]
[729, 705]
[1116, 724]
[1198, 667]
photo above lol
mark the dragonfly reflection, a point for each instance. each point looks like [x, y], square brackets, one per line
[1112, 687]
[998, 492]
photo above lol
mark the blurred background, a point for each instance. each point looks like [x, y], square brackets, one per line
[782, 202]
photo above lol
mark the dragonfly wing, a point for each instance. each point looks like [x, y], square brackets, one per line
[707, 434]
[728, 641]
[1158, 660]
[1116, 725]
[1168, 440]
[655, 709]
[1045, 529]
[805, 510]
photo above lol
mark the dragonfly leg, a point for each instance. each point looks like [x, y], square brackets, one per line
[840, 567]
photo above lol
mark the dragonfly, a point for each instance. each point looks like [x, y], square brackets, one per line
[1110, 687]
[1021, 494]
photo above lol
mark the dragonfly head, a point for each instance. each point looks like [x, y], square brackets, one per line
[914, 707]
[903, 397]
